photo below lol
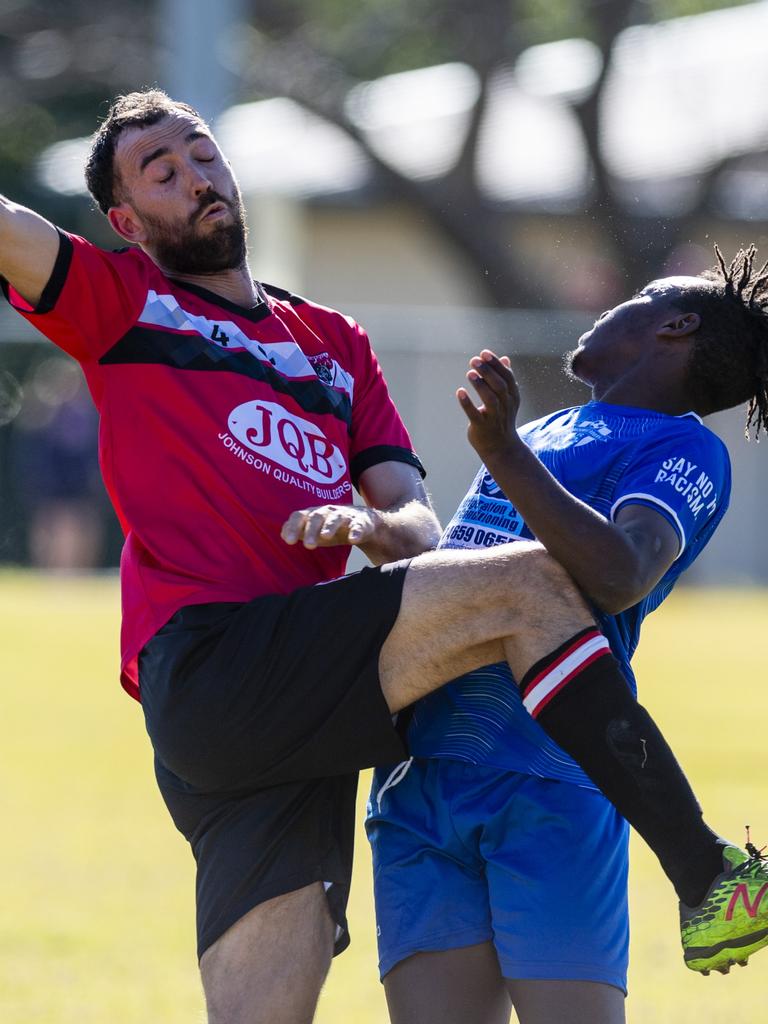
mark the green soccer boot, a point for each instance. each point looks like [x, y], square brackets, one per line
[731, 922]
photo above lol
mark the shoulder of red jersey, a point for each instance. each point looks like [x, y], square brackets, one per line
[127, 254]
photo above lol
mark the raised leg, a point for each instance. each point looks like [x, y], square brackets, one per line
[462, 610]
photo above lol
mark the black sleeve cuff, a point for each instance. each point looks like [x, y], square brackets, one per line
[383, 453]
[52, 290]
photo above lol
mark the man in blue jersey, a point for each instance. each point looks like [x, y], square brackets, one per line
[500, 869]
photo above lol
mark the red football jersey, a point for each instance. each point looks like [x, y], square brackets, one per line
[216, 422]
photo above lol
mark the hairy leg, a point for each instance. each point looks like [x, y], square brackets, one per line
[453, 986]
[461, 610]
[269, 967]
[567, 1002]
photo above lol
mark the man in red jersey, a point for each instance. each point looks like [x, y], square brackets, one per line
[235, 420]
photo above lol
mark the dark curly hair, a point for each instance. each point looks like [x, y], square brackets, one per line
[729, 360]
[133, 109]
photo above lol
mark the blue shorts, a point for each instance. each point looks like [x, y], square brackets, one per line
[465, 853]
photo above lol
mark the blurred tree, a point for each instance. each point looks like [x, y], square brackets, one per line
[316, 51]
[61, 60]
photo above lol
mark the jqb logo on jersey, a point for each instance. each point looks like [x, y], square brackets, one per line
[291, 441]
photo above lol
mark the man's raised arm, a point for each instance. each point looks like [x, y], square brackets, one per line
[615, 563]
[29, 245]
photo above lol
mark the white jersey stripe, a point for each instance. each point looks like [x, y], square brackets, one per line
[626, 499]
[288, 359]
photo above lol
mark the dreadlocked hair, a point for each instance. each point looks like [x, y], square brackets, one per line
[135, 109]
[729, 361]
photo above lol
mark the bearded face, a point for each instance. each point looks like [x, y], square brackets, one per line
[204, 243]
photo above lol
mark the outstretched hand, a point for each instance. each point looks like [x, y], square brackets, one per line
[327, 526]
[492, 426]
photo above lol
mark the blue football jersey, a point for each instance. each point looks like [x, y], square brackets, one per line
[608, 456]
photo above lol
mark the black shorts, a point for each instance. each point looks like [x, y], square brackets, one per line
[260, 715]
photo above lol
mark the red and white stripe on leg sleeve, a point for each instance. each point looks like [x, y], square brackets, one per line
[547, 679]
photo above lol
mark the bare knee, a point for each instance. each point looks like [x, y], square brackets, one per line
[547, 610]
[531, 588]
[538, 568]
[549, 581]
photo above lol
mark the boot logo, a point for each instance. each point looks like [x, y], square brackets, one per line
[742, 891]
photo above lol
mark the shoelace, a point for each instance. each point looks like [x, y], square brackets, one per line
[752, 850]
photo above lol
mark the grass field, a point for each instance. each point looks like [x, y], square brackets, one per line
[96, 920]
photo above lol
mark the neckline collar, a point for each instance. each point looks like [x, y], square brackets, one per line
[257, 312]
[608, 408]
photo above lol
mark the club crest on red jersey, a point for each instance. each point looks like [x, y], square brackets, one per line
[322, 364]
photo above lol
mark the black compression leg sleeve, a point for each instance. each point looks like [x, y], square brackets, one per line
[594, 718]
